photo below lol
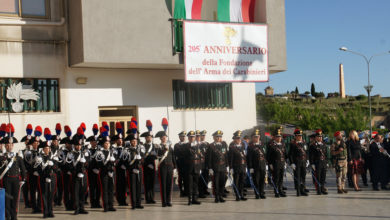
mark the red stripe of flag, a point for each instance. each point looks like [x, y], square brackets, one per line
[248, 10]
[197, 9]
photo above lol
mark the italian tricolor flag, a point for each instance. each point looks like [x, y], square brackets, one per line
[188, 9]
[236, 10]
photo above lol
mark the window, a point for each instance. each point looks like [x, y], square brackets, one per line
[178, 33]
[48, 90]
[201, 95]
[25, 8]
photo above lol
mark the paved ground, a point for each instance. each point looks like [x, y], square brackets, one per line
[366, 204]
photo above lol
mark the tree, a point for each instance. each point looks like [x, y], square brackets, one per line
[296, 91]
[307, 93]
[313, 90]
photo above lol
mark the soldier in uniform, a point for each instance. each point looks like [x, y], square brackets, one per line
[47, 169]
[298, 159]
[149, 168]
[93, 169]
[166, 168]
[134, 166]
[66, 168]
[217, 164]
[12, 171]
[276, 157]
[106, 162]
[257, 164]
[179, 162]
[33, 172]
[2, 135]
[237, 164]
[192, 166]
[339, 153]
[56, 151]
[204, 175]
[120, 167]
[26, 152]
[79, 174]
[318, 160]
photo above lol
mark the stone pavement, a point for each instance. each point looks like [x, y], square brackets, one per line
[366, 204]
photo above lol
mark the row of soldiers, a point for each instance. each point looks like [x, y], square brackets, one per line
[76, 170]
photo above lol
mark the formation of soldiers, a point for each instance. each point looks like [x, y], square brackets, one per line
[52, 170]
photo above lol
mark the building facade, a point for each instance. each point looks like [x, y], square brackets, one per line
[94, 61]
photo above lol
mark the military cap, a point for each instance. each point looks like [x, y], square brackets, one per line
[318, 133]
[337, 133]
[44, 144]
[218, 133]
[237, 134]
[197, 133]
[91, 138]
[298, 132]
[117, 137]
[26, 138]
[130, 137]
[55, 137]
[191, 134]
[203, 133]
[278, 132]
[182, 134]
[34, 139]
[76, 140]
[256, 133]
[147, 134]
[9, 140]
[161, 134]
[66, 140]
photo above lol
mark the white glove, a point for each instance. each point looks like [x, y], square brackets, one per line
[307, 163]
[96, 171]
[135, 171]
[293, 166]
[138, 157]
[271, 167]
[50, 163]
[112, 159]
[110, 174]
[175, 174]
[200, 172]
[151, 166]
[38, 159]
[55, 158]
[123, 167]
[36, 173]
[86, 154]
[82, 160]
[285, 166]
[211, 172]
[327, 165]
[313, 167]
[21, 183]
[69, 173]
[231, 171]
[251, 170]
[266, 167]
[227, 169]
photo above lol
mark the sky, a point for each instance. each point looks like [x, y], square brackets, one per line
[316, 29]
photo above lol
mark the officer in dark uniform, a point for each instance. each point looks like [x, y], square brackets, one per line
[93, 170]
[26, 152]
[106, 162]
[120, 167]
[192, 167]
[66, 166]
[217, 164]
[179, 162]
[79, 175]
[379, 168]
[56, 151]
[237, 164]
[134, 166]
[47, 178]
[11, 169]
[257, 163]
[298, 159]
[319, 161]
[166, 168]
[149, 168]
[33, 172]
[276, 157]
[204, 176]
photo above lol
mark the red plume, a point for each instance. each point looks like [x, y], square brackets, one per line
[133, 125]
[102, 129]
[58, 127]
[47, 131]
[82, 125]
[148, 123]
[10, 128]
[118, 125]
[95, 127]
[164, 122]
[133, 118]
[80, 131]
[29, 126]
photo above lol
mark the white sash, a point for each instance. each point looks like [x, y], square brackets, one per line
[9, 165]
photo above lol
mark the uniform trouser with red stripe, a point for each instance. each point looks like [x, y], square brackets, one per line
[25, 189]
[120, 185]
[149, 181]
[80, 188]
[258, 177]
[166, 173]
[202, 184]
[94, 189]
[219, 183]
[60, 189]
[321, 168]
[191, 183]
[277, 176]
[239, 180]
[300, 176]
[47, 190]
[68, 191]
[108, 191]
[11, 185]
[135, 189]
[35, 195]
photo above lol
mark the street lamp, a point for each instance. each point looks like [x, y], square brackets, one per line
[369, 86]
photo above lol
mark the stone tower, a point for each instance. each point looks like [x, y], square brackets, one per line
[342, 86]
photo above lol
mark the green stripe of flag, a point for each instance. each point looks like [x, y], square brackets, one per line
[180, 9]
[223, 10]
